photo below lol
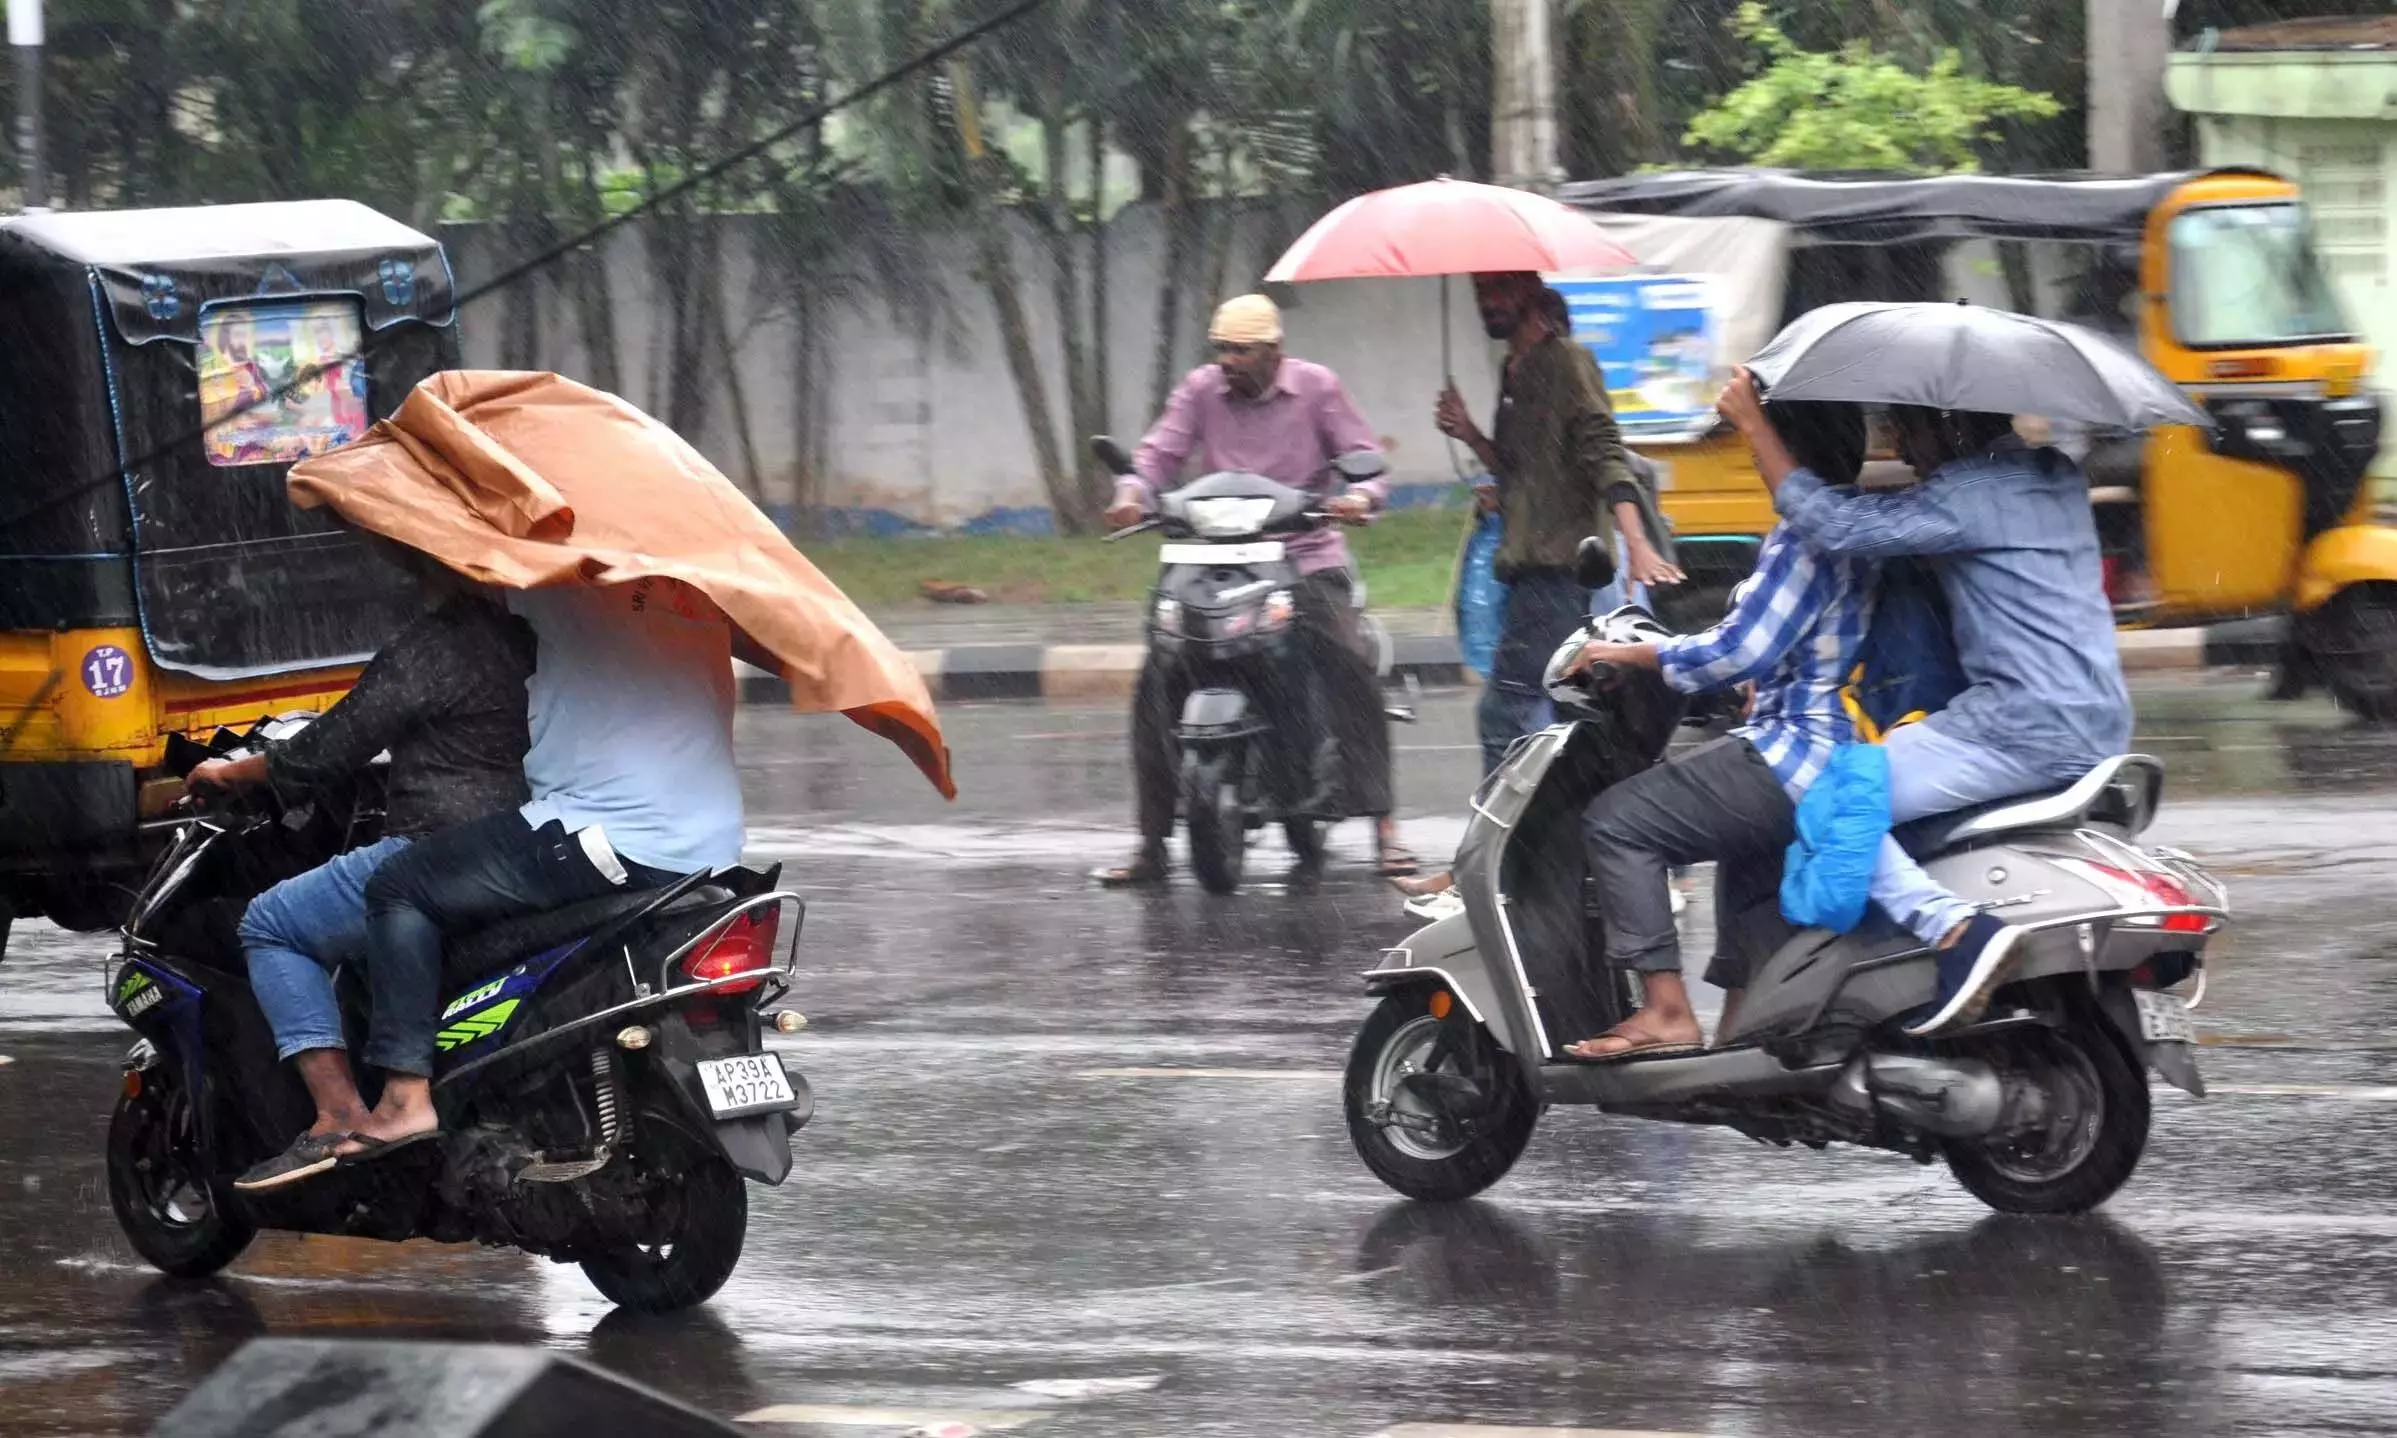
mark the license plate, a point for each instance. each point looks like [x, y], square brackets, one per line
[1264, 551]
[2164, 1018]
[749, 1083]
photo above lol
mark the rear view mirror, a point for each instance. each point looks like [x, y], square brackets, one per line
[1361, 464]
[1111, 454]
[1594, 564]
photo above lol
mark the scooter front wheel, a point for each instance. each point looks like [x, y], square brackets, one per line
[172, 1210]
[1218, 821]
[1435, 1109]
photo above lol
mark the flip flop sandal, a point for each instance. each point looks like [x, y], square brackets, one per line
[1129, 876]
[309, 1155]
[378, 1148]
[1643, 1051]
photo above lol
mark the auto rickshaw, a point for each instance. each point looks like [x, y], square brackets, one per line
[160, 371]
[2212, 276]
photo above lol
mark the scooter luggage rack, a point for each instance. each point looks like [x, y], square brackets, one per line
[775, 980]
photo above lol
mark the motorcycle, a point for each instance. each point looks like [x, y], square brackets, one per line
[1223, 612]
[602, 1081]
[2041, 1106]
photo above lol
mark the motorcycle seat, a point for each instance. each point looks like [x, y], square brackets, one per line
[2123, 791]
[488, 950]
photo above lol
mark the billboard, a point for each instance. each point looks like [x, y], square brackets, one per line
[1655, 338]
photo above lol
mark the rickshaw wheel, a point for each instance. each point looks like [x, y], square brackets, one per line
[2353, 641]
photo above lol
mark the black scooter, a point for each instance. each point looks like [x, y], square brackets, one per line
[1224, 612]
[602, 1081]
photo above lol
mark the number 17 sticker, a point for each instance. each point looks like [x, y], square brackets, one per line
[107, 671]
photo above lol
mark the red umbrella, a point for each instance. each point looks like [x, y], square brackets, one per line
[1449, 227]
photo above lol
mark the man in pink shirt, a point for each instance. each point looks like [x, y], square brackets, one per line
[1258, 411]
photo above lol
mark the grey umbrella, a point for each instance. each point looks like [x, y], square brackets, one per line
[1965, 357]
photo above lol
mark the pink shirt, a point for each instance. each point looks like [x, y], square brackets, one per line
[1290, 433]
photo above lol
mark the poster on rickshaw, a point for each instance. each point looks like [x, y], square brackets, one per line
[281, 380]
[1655, 338]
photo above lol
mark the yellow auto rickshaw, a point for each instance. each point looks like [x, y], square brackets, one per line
[159, 372]
[2212, 276]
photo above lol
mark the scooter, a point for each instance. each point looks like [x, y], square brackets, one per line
[1222, 613]
[2039, 1107]
[602, 1081]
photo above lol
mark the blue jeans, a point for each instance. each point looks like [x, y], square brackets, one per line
[447, 886]
[1930, 773]
[1543, 608]
[297, 933]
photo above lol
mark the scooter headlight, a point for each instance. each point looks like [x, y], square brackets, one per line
[1227, 518]
[1280, 608]
[1169, 616]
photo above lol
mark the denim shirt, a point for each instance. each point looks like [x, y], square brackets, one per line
[2015, 546]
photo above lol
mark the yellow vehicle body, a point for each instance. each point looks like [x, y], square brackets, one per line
[2271, 512]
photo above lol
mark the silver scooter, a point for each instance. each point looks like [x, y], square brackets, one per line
[2039, 1107]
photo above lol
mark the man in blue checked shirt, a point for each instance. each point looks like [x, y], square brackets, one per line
[1793, 631]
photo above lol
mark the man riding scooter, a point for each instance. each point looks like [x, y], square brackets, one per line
[1793, 631]
[1258, 411]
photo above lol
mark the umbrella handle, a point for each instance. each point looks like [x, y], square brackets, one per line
[1448, 376]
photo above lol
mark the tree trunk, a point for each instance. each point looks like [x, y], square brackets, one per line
[729, 357]
[1523, 95]
[1102, 373]
[1066, 282]
[806, 490]
[1067, 499]
[1175, 216]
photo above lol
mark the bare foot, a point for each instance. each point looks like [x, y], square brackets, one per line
[1640, 1033]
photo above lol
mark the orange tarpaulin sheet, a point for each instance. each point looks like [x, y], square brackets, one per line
[526, 480]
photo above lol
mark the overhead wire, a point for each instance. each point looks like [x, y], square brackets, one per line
[533, 264]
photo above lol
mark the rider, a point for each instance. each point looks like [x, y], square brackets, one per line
[633, 786]
[1793, 631]
[1259, 411]
[2016, 551]
[447, 699]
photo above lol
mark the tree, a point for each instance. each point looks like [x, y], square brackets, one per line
[1857, 109]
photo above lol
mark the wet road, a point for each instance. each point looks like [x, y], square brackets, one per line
[1012, 1213]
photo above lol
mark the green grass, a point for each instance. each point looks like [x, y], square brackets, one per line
[1407, 558]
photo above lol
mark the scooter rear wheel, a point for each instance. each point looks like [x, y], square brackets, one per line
[174, 1213]
[711, 1225]
[1410, 1145]
[2094, 1141]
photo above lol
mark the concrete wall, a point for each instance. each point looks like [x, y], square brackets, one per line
[921, 420]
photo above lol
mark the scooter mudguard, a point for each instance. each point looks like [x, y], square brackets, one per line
[1443, 953]
[2172, 1061]
[1214, 714]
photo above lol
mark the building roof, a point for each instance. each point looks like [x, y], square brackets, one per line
[2329, 32]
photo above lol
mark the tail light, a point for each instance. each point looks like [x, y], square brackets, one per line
[2144, 888]
[745, 945]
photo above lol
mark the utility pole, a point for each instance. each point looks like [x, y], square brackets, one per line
[1523, 108]
[2126, 92]
[25, 37]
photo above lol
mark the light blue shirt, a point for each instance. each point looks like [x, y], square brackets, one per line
[2016, 550]
[632, 703]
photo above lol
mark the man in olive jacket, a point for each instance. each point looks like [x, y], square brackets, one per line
[1560, 474]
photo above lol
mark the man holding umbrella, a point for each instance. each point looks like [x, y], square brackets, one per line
[1561, 474]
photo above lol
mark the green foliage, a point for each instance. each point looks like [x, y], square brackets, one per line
[1856, 108]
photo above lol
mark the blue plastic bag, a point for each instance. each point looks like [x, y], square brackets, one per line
[1828, 876]
[1481, 598]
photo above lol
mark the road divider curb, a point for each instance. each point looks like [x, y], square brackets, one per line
[1109, 671]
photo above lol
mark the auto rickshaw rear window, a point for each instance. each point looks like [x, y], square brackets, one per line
[2247, 275]
[281, 380]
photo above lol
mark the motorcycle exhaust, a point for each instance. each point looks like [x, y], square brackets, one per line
[1954, 1098]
